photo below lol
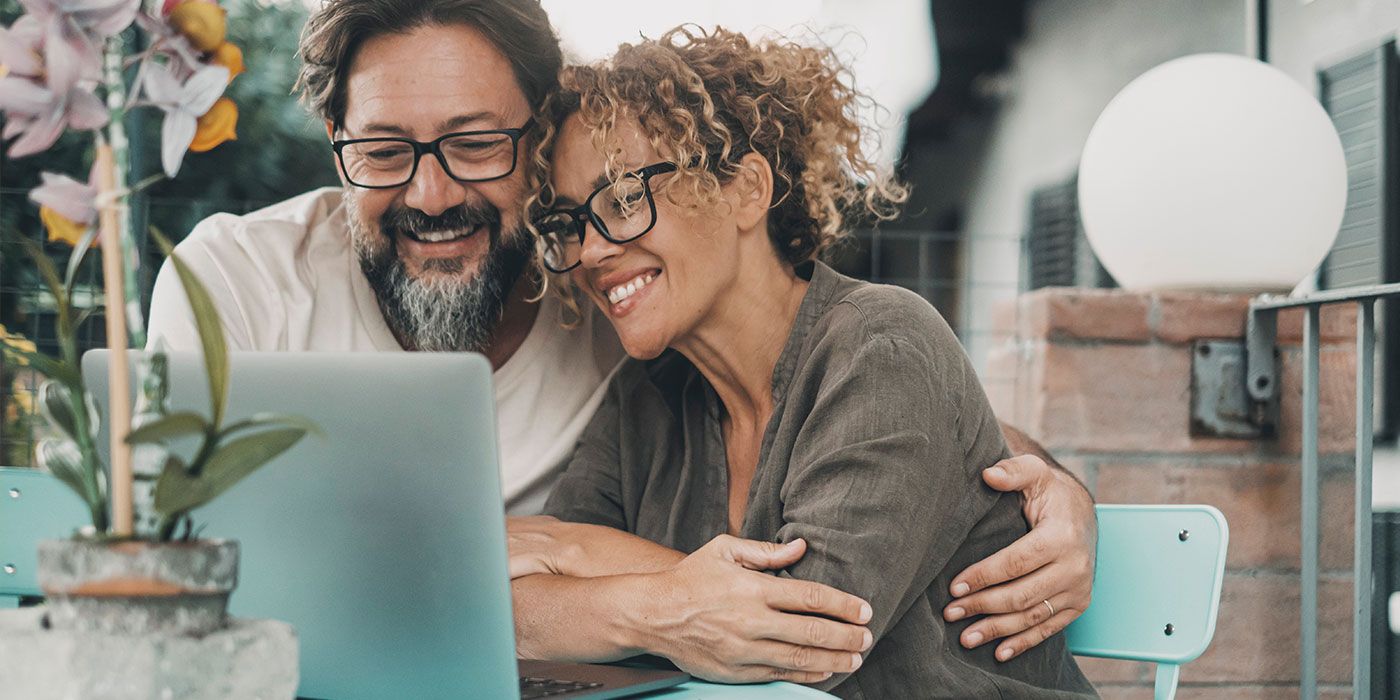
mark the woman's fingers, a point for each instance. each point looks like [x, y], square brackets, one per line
[758, 555]
[796, 657]
[793, 595]
[818, 632]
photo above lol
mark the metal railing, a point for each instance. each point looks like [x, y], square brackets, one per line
[1262, 384]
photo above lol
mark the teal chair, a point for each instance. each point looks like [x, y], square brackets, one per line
[33, 506]
[1156, 588]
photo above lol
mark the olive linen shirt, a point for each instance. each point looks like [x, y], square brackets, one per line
[874, 452]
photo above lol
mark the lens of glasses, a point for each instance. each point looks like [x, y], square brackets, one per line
[377, 163]
[479, 156]
[559, 241]
[625, 208]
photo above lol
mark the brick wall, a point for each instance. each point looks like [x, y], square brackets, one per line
[1102, 379]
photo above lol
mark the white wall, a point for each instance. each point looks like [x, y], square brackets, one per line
[1077, 54]
[1307, 35]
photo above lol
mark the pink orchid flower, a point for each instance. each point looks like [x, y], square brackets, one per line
[73, 200]
[36, 115]
[73, 34]
[183, 106]
[46, 89]
[21, 48]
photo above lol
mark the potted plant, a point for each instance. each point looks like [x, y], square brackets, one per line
[139, 566]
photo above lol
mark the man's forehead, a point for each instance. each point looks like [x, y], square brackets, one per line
[429, 80]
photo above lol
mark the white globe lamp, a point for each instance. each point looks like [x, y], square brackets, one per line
[1212, 172]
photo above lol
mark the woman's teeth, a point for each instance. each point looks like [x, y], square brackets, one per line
[622, 291]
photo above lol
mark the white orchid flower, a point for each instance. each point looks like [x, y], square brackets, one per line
[183, 106]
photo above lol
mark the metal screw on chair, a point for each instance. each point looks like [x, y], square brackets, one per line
[10, 569]
[1183, 536]
[1170, 628]
[14, 493]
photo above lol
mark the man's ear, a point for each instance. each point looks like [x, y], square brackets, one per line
[754, 186]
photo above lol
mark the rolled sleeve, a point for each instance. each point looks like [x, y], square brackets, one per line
[878, 484]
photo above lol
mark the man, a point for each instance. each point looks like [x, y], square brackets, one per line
[428, 107]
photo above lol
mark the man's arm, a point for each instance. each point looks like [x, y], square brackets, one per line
[1053, 562]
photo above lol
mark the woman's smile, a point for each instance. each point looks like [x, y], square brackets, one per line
[625, 291]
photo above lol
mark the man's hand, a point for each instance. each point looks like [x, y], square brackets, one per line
[1053, 562]
[715, 616]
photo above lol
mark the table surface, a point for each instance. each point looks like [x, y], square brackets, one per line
[767, 691]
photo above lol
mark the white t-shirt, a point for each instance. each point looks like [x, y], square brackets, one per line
[285, 278]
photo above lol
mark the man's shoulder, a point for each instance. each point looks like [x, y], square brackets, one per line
[275, 233]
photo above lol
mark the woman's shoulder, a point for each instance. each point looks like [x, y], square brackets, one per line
[860, 313]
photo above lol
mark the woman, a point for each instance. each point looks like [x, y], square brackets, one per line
[695, 181]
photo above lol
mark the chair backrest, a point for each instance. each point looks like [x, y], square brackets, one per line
[33, 506]
[1156, 585]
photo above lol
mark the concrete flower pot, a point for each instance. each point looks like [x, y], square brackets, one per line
[138, 587]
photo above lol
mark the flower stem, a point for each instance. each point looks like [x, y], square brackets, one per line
[121, 148]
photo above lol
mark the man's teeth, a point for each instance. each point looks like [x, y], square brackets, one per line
[622, 291]
[440, 236]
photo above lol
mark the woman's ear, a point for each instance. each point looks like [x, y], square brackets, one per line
[330, 130]
[754, 189]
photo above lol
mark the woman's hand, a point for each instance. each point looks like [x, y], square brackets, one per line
[715, 616]
[537, 544]
[1053, 562]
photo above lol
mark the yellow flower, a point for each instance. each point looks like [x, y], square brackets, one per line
[216, 126]
[61, 228]
[19, 343]
[203, 23]
[229, 56]
[23, 399]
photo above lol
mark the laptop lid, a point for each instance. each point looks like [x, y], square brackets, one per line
[383, 543]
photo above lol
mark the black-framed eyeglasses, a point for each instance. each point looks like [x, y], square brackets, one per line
[620, 211]
[466, 156]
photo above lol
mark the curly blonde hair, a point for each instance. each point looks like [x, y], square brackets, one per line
[707, 99]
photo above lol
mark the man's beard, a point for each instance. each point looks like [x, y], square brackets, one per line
[439, 312]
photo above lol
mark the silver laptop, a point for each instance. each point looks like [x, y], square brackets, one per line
[383, 543]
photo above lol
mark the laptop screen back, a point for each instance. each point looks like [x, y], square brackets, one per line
[382, 542]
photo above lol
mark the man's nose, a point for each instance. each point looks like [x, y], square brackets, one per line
[432, 191]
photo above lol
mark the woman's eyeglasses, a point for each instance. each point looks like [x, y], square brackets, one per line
[621, 212]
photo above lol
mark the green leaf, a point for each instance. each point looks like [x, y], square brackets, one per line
[56, 405]
[169, 427]
[211, 330]
[178, 492]
[49, 273]
[62, 458]
[80, 252]
[45, 365]
[273, 420]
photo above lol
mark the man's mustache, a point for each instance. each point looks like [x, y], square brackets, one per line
[399, 221]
